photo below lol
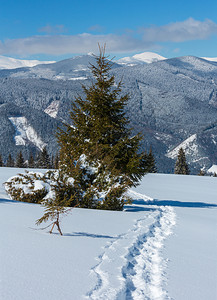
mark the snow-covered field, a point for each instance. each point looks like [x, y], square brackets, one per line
[163, 246]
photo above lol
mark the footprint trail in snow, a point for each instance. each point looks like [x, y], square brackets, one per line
[131, 266]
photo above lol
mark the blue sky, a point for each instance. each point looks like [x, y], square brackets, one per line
[57, 29]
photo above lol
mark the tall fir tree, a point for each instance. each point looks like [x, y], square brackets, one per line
[181, 166]
[98, 151]
[1, 161]
[10, 161]
[20, 163]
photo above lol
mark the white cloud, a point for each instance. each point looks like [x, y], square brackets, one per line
[66, 44]
[147, 39]
[189, 29]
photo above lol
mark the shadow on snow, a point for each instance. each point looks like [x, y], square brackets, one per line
[174, 203]
[2, 200]
[97, 236]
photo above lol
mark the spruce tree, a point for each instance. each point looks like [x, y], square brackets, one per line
[10, 161]
[20, 163]
[151, 162]
[1, 161]
[59, 204]
[44, 159]
[56, 161]
[31, 161]
[181, 166]
[99, 151]
[52, 162]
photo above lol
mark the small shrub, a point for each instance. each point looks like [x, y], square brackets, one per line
[29, 187]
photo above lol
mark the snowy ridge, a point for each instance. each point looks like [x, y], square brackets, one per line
[25, 133]
[12, 63]
[141, 273]
[189, 146]
[213, 169]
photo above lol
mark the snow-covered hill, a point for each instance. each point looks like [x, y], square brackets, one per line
[161, 247]
[13, 63]
[141, 58]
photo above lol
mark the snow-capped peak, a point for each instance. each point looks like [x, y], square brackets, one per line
[13, 63]
[141, 58]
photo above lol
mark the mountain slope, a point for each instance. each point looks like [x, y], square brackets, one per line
[170, 101]
[75, 68]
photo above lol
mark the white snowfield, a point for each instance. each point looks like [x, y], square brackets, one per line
[25, 133]
[163, 246]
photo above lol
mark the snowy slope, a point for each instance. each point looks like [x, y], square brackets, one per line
[25, 133]
[115, 255]
[141, 58]
[52, 108]
[189, 146]
[213, 169]
[13, 63]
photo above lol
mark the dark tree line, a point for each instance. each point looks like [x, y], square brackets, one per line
[44, 161]
[41, 161]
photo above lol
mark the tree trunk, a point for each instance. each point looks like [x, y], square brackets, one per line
[57, 225]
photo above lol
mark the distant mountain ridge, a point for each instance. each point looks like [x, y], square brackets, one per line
[13, 63]
[140, 58]
[173, 102]
[75, 68]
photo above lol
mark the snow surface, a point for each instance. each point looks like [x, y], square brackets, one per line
[191, 250]
[161, 247]
[52, 109]
[13, 63]
[213, 169]
[25, 133]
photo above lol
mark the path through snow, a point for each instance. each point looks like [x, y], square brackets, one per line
[140, 274]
